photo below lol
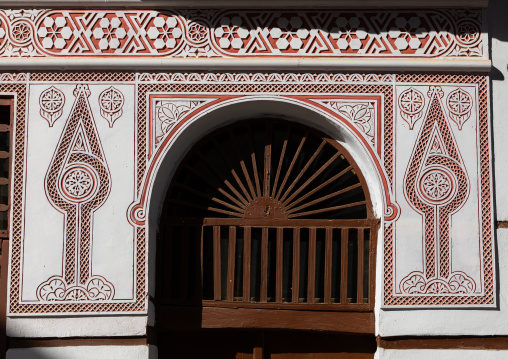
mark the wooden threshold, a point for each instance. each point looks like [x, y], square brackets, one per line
[192, 318]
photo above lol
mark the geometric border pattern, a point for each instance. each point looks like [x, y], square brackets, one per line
[242, 84]
[489, 297]
[444, 33]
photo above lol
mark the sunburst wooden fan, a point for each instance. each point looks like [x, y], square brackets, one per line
[268, 169]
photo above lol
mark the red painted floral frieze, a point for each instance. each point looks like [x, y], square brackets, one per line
[240, 33]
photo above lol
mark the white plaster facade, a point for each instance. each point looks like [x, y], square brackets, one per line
[132, 202]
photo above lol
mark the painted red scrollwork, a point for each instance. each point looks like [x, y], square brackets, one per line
[436, 185]
[77, 184]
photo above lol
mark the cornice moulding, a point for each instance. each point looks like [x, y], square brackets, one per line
[243, 4]
[254, 64]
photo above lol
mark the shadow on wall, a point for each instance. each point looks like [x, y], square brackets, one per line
[498, 29]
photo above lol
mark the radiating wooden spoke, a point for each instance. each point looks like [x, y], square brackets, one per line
[276, 215]
[233, 176]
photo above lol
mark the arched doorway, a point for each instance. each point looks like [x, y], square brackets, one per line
[266, 248]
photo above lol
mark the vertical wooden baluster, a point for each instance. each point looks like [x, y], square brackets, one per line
[199, 282]
[296, 265]
[328, 266]
[216, 264]
[231, 262]
[184, 264]
[359, 291]
[278, 284]
[267, 160]
[264, 265]
[246, 264]
[311, 281]
[343, 266]
[168, 255]
[372, 261]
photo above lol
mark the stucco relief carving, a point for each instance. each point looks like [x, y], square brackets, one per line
[361, 113]
[212, 33]
[436, 275]
[77, 184]
[460, 105]
[167, 114]
[436, 185]
[111, 103]
[52, 102]
[411, 103]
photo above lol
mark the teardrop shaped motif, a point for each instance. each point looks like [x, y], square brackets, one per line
[77, 184]
[436, 185]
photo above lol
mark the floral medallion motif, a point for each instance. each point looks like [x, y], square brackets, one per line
[111, 103]
[411, 104]
[21, 32]
[52, 102]
[78, 184]
[460, 105]
[437, 185]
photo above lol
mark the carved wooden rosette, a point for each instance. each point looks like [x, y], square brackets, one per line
[77, 184]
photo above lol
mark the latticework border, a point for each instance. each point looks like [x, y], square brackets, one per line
[243, 84]
[489, 297]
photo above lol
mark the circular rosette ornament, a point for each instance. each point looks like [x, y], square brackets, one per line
[79, 183]
[111, 103]
[197, 32]
[468, 33]
[21, 32]
[437, 186]
[52, 102]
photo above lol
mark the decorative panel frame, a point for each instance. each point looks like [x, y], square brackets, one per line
[384, 113]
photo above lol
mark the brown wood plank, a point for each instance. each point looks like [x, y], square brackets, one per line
[243, 165]
[254, 163]
[184, 264]
[279, 265]
[318, 223]
[231, 263]
[372, 261]
[343, 265]
[291, 165]
[296, 265]
[221, 176]
[328, 209]
[328, 266]
[359, 290]
[205, 208]
[233, 173]
[246, 263]
[320, 199]
[216, 264]
[351, 307]
[213, 185]
[303, 170]
[264, 265]
[257, 353]
[199, 282]
[208, 197]
[312, 178]
[267, 160]
[281, 160]
[311, 280]
[187, 318]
